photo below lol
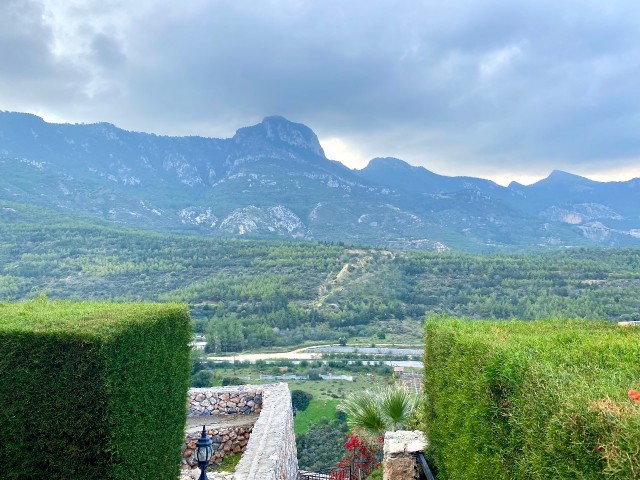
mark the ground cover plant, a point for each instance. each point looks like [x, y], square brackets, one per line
[314, 414]
[92, 390]
[532, 400]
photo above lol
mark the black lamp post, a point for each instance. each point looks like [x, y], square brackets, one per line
[203, 453]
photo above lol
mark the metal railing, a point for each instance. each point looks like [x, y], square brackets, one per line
[337, 473]
[345, 473]
[424, 466]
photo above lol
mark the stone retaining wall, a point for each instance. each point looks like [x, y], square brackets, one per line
[225, 441]
[224, 400]
[270, 451]
[400, 462]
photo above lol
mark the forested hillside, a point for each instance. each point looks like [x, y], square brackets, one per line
[251, 294]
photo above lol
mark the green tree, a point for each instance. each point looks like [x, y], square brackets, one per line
[300, 399]
[202, 378]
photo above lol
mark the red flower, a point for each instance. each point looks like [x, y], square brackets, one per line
[634, 395]
[359, 455]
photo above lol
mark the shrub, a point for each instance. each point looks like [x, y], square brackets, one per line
[300, 399]
[229, 463]
[322, 445]
[532, 400]
[376, 473]
[361, 455]
[202, 379]
[232, 381]
[92, 390]
[373, 412]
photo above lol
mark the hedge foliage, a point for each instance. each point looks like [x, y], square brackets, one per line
[534, 400]
[92, 390]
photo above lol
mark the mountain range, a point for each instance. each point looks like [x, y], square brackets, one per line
[274, 180]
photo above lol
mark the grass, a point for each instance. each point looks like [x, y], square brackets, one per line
[316, 410]
[228, 463]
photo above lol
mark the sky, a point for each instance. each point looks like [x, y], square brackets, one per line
[490, 88]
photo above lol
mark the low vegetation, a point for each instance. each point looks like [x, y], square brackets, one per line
[268, 295]
[321, 445]
[257, 295]
[316, 412]
[373, 412]
[92, 390]
[532, 400]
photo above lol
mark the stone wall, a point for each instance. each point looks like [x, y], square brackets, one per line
[400, 462]
[225, 441]
[270, 450]
[243, 399]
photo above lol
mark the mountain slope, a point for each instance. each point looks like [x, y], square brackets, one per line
[274, 180]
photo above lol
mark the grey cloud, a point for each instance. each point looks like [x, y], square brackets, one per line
[106, 51]
[530, 85]
[33, 77]
[24, 40]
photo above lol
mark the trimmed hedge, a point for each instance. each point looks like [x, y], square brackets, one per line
[532, 400]
[92, 390]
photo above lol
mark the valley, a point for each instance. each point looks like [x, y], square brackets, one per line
[263, 294]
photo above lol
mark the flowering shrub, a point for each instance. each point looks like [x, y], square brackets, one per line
[634, 395]
[360, 455]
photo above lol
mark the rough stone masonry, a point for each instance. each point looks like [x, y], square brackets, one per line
[269, 452]
[399, 454]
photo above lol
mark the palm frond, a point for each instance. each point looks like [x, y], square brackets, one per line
[363, 413]
[397, 404]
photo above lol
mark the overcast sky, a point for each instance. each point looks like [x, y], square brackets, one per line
[499, 89]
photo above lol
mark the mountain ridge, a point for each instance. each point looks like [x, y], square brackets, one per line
[273, 179]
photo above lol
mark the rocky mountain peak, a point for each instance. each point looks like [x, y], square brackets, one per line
[279, 130]
[389, 162]
[273, 180]
[562, 176]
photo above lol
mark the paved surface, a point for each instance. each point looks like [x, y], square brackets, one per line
[311, 353]
[299, 354]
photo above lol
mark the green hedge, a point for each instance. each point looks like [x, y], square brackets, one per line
[532, 400]
[92, 391]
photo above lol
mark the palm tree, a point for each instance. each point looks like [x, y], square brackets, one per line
[374, 412]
